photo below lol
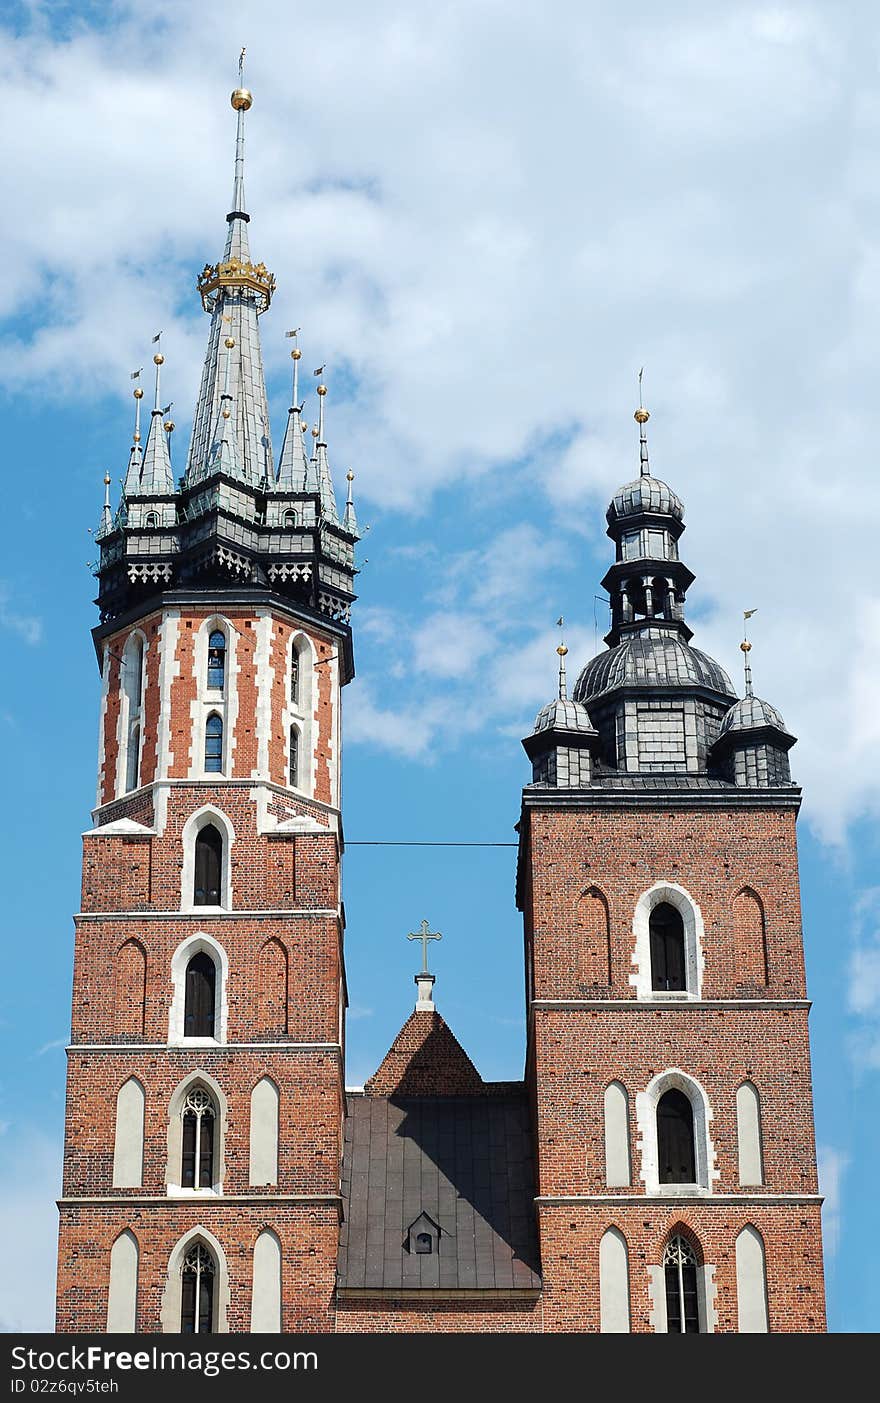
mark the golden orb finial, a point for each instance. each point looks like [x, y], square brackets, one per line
[168, 426]
[226, 414]
[138, 393]
[296, 354]
[229, 343]
[746, 646]
[349, 476]
[242, 99]
[562, 650]
[641, 416]
[158, 358]
[106, 479]
[314, 433]
[137, 438]
[322, 389]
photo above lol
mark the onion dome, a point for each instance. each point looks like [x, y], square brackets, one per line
[644, 495]
[561, 714]
[651, 662]
[752, 714]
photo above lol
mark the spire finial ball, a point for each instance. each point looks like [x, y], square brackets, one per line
[137, 438]
[138, 393]
[296, 354]
[562, 650]
[241, 99]
[158, 358]
[106, 479]
[641, 416]
[349, 476]
[322, 389]
[229, 343]
[168, 426]
[746, 646]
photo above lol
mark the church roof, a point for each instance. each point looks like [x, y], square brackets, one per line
[656, 661]
[425, 1059]
[645, 494]
[460, 1164]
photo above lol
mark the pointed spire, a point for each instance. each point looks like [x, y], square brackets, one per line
[349, 520]
[235, 291]
[157, 479]
[222, 454]
[132, 483]
[746, 648]
[106, 513]
[325, 480]
[641, 417]
[293, 466]
[562, 651]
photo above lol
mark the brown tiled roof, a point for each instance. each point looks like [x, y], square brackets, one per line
[426, 1059]
[464, 1161]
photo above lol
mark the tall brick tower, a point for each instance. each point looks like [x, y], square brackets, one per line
[205, 1086]
[668, 1056]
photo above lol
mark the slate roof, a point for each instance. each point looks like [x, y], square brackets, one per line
[562, 714]
[657, 661]
[752, 714]
[466, 1163]
[645, 494]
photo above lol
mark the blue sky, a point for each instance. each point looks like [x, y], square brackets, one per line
[485, 220]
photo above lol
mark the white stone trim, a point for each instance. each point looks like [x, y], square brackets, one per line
[205, 1042]
[657, 1294]
[128, 1135]
[208, 700]
[750, 1156]
[198, 913]
[175, 1136]
[639, 1005]
[301, 715]
[562, 1200]
[123, 1287]
[266, 1285]
[119, 827]
[169, 670]
[752, 1312]
[646, 1121]
[102, 720]
[692, 920]
[188, 947]
[170, 1309]
[614, 1306]
[265, 679]
[265, 1102]
[707, 1292]
[195, 823]
[618, 1168]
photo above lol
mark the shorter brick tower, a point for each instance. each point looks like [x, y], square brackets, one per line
[668, 1053]
[205, 1089]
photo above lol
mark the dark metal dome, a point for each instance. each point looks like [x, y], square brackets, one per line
[645, 494]
[751, 714]
[563, 714]
[659, 660]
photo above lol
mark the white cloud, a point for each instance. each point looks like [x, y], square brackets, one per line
[28, 626]
[489, 223]
[832, 1167]
[863, 986]
[50, 1046]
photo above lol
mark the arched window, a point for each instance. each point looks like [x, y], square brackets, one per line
[614, 1316]
[667, 948]
[197, 1157]
[201, 983]
[122, 1296]
[682, 1300]
[151, 519]
[213, 744]
[617, 1166]
[208, 866]
[197, 1291]
[294, 674]
[289, 519]
[133, 759]
[294, 757]
[424, 1243]
[675, 1139]
[217, 660]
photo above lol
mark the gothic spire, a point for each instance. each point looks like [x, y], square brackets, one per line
[235, 291]
[156, 477]
[641, 417]
[349, 520]
[325, 480]
[293, 466]
[132, 484]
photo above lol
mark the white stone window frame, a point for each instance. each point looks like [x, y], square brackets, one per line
[169, 1317]
[223, 701]
[130, 712]
[704, 1150]
[692, 921]
[299, 715]
[193, 945]
[203, 1080]
[207, 814]
[122, 1289]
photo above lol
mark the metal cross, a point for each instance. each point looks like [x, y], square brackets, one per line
[424, 935]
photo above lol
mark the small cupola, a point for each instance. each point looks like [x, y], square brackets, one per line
[423, 1236]
[563, 738]
[753, 742]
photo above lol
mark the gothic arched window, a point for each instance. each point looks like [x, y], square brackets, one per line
[213, 744]
[208, 866]
[217, 660]
[676, 1161]
[294, 674]
[682, 1301]
[290, 519]
[133, 759]
[294, 757]
[199, 997]
[197, 1158]
[197, 1291]
[668, 970]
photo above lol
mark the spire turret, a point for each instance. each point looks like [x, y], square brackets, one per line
[293, 466]
[157, 479]
[132, 484]
[349, 520]
[325, 480]
[235, 291]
